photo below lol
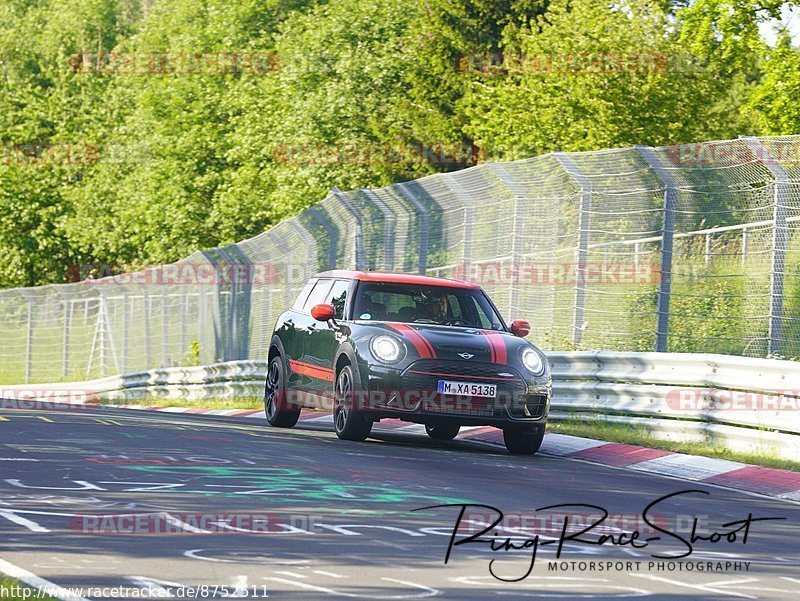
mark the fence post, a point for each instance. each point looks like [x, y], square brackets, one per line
[333, 234]
[28, 340]
[453, 184]
[360, 261]
[667, 244]
[424, 225]
[582, 251]
[125, 325]
[516, 233]
[310, 252]
[388, 229]
[780, 231]
[201, 322]
[68, 307]
[147, 312]
[164, 328]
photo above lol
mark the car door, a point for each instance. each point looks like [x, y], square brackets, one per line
[293, 333]
[322, 343]
[301, 372]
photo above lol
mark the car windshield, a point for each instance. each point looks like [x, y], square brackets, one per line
[443, 305]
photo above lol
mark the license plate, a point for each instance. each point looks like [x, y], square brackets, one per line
[467, 389]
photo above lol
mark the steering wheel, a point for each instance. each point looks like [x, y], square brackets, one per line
[455, 322]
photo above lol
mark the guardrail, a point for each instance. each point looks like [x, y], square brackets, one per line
[739, 403]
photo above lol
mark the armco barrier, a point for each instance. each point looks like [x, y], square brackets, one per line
[740, 403]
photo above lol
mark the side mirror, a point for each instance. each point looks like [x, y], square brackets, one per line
[520, 328]
[323, 312]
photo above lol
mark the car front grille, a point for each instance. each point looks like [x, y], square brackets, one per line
[423, 376]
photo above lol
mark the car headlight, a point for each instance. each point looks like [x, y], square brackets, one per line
[532, 361]
[387, 348]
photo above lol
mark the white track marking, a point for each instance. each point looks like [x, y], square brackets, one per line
[330, 574]
[292, 574]
[426, 591]
[697, 587]
[40, 583]
[18, 519]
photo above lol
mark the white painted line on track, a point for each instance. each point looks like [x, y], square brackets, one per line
[697, 587]
[21, 521]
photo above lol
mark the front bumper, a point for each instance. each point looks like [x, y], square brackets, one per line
[411, 394]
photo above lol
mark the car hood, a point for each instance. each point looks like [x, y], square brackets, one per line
[460, 344]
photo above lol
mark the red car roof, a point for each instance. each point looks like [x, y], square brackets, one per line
[395, 278]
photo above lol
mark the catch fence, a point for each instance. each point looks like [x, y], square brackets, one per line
[692, 248]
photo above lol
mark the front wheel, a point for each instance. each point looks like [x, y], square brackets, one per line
[275, 403]
[348, 422]
[442, 431]
[522, 440]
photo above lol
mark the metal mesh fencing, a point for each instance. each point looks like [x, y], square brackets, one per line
[691, 248]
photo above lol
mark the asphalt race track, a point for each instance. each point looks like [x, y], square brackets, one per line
[114, 498]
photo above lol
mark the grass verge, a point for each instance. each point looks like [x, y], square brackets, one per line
[14, 590]
[639, 436]
[236, 403]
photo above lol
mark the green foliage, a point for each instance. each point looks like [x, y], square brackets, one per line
[360, 93]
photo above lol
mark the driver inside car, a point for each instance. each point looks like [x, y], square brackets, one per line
[435, 309]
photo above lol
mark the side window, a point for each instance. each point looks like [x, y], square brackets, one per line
[301, 298]
[338, 297]
[317, 295]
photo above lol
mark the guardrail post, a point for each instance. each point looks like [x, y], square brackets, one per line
[360, 261]
[516, 233]
[582, 251]
[667, 244]
[780, 235]
[424, 225]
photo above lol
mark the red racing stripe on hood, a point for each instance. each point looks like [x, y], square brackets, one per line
[417, 340]
[498, 352]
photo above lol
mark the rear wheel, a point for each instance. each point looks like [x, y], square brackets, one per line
[275, 402]
[442, 431]
[523, 441]
[348, 422]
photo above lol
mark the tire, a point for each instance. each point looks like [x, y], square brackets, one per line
[275, 396]
[349, 423]
[523, 441]
[442, 431]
